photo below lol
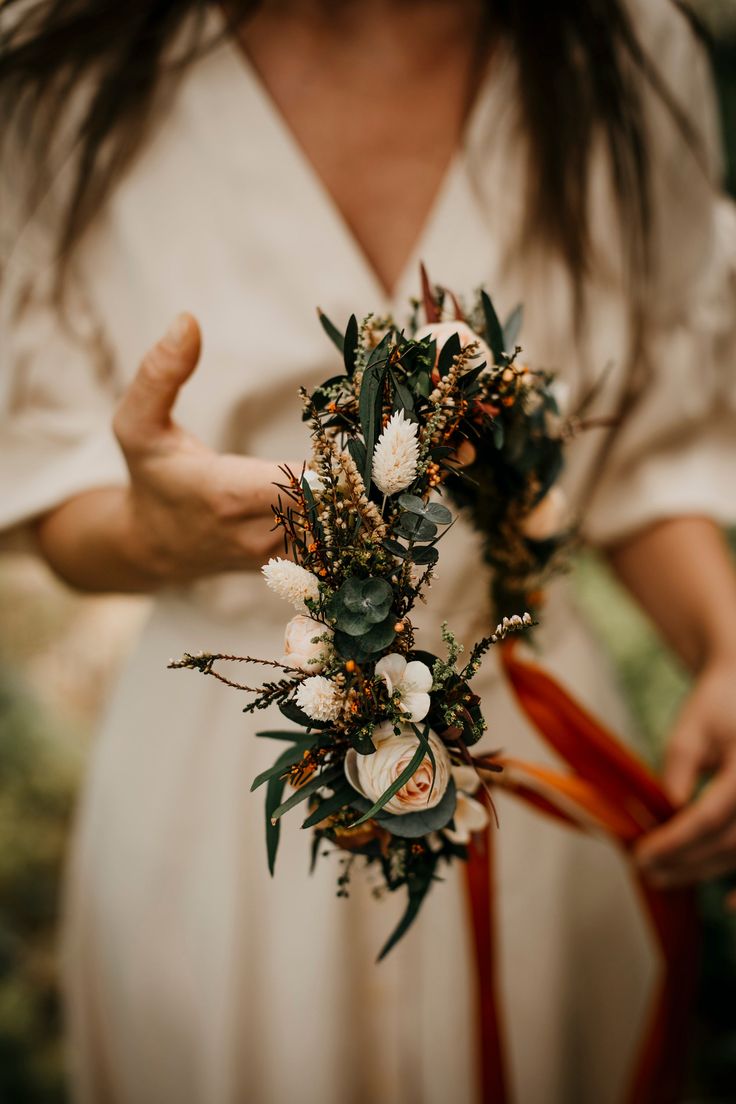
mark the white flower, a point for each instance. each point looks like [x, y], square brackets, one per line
[413, 681]
[548, 517]
[470, 815]
[301, 648]
[320, 698]
[396, 455]
[291, 581]
[372, 775]
[441, 332]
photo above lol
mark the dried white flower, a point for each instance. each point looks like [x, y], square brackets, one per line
[396, 455]
[412, 681]
[320, 698]
[291, 581]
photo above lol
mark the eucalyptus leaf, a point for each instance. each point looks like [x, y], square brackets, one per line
[449, 351]
[285, 761]
[417, 528]
[305, 791]
[438, 513]
[332, 332]
[328, 805]
[494, 333]
[425, 556]
[350, 344]
[417, 893]
[512, 327]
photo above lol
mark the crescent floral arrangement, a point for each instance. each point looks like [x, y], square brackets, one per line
[378, 760]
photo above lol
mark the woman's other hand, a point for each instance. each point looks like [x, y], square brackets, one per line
[187, 512]
[192, 511]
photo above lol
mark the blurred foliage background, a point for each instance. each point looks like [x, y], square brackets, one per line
[58, 657]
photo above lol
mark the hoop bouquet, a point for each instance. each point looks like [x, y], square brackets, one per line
[378, 757]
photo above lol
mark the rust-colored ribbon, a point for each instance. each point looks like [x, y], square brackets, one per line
[606, 788]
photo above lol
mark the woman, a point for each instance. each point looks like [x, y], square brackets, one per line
[314, 155]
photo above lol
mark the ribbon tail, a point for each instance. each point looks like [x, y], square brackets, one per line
[480, 885]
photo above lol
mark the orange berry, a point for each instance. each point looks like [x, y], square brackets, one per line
[350, 665]
[399, 627]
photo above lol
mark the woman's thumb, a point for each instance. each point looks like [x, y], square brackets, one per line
[146, 406]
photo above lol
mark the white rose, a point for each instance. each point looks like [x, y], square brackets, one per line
[441, 332]
[549, 517]
[301, 648]
[372, 775]
[412, 681]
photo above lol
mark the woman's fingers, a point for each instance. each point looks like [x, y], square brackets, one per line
[684, 757]
[143, 415]
[709, 815]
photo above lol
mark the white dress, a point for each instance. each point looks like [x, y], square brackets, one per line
[192, 977]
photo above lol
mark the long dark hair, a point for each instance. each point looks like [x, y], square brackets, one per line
[581, 71]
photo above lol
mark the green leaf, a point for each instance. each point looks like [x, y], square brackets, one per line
[413, 504]
[494, 333]
[403, 778]
[350, 344]
[274, 793]
[292, 712]
[280, 766]
[379, 636]
[370, 402]
[425, 556]
[417, 893]
[332, 804]
[356, 448]
[291, 736]
[438, 513]
[395, 549]
[332, 332]
[307, 790]
[450, 350]
[512, 327]
[417, 528]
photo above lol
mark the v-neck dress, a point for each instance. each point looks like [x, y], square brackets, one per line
[191, 976]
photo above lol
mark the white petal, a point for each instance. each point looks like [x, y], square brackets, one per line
[417, 677]
[391, 668]
[470, 816]
[351, 769]
[416, 706]
[466, 779]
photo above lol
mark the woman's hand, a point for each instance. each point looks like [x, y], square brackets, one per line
[680, 570]
[700, 841]
[187, 512]
[191, 510]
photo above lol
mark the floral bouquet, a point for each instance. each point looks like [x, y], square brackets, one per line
[379, 758]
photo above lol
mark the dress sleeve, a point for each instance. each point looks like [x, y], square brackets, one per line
[56, 399]
[674, 451]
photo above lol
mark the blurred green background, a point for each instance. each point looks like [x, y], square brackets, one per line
[58, 656]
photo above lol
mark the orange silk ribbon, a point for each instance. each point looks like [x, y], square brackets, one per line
[609, 789]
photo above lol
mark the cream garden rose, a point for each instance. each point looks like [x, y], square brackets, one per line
[441, 332]
[371, 775]
[302, 648]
